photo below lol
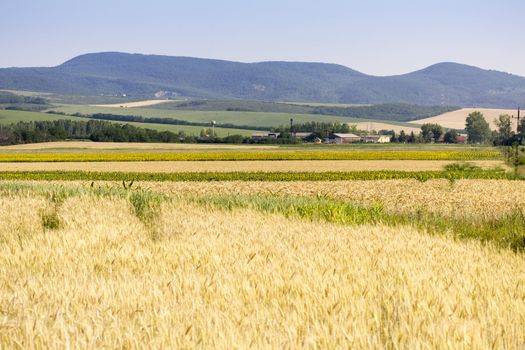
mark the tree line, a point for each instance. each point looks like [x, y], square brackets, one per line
[105, 131]
[10, 98]
[94, 130]
[10, 101]
[43, 131]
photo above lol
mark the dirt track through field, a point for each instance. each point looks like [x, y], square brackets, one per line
[244, 166]
[86, 145]
[135, 104]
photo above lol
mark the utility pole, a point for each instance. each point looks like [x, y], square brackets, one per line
[518, 142]
[518, 124]
[517, 161]
[213, 122]
[291, 127]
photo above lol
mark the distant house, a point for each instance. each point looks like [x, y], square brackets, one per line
[352, 138]
[461, 138]
[376, 138]
[268, 135]
[301, 135]
[344, 138]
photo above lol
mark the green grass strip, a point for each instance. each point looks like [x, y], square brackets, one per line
[506, 232]
[257, 176]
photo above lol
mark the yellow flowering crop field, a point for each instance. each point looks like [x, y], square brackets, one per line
[260, 155]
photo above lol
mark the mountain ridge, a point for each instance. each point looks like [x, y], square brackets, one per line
[444, 83]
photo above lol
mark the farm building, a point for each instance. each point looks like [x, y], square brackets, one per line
[461, 138]
[376, 138]
[352, 138]
[268, 135]
[343, 138]
[301, 135]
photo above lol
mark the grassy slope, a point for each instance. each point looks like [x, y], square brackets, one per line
[320, 104]
[8, 117]
[238, 118]
[248, 105]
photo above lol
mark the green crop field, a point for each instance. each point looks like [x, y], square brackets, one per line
[494, 174]
[264, 119]
[190, 130]
[245, 105]
[8, 117]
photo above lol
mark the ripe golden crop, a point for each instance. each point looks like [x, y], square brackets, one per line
[103, 276]
[486, 199]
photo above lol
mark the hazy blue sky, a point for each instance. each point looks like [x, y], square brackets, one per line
[379, 37]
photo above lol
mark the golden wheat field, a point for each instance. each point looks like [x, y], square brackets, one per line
[135, 104]
[205, 278]
[244, 166]
[456, 119]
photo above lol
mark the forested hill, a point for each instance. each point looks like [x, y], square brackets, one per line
[139, 75]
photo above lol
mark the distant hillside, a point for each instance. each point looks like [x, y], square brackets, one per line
[150, 76]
